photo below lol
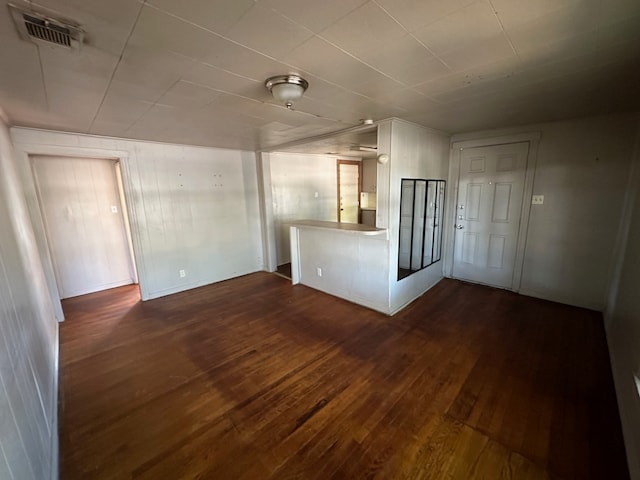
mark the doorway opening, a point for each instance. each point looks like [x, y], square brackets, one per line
[284, 270]
[85, 223]
[349, 190]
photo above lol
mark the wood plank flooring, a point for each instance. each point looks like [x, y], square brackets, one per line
[255, 379]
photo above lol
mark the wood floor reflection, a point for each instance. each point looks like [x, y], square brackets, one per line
[255, 378]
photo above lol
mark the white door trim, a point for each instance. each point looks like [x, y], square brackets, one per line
[452, 195]
[23, 150]
[267, 225]
[124, 227]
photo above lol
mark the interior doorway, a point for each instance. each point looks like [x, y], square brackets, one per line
[488, 211]
[85, 223]
[349, 189]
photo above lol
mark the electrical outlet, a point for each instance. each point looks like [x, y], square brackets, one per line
[182, 273]
[319, 271]
[537, 200]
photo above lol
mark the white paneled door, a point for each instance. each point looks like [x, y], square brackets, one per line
[488, 213]
[349, 191]
[81, 207]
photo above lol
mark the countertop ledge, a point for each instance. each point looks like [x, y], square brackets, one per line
[355, 228]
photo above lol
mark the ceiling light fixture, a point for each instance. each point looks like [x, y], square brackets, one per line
[287, 88]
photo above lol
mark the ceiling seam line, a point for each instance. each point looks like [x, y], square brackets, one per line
[153, 104]
[44, 82]
[269, 103]
[156, 102]
[316, 33]
[287, 64]
[529, 83]
[432, 52]
[277, 60]
[413, 36]
[233, 94]
[504, 31]
[294, 67]
[193, 24]
[115, 68]
[269, 56]
[228, 71]
[363, 62]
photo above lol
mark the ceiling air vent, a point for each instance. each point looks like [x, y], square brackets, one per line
[46, 30]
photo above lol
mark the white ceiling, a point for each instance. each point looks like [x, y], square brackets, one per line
[355, 143]
[193, 71]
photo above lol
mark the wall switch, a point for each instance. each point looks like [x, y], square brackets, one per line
[537, 200]
[319, 271]
[315, 195]
[114, 209]
[182, 273]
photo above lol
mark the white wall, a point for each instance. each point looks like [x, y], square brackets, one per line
[295, 180]
[581, 169]
[369, 175]
[190, 208]
[28, 339]
[415, 152]
[354, 266]
[623, 321]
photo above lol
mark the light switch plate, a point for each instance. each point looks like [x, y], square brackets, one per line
[537, 200]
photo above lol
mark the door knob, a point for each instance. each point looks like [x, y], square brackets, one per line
[459, 227]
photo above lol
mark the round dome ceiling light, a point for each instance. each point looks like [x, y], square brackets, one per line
[287, 89]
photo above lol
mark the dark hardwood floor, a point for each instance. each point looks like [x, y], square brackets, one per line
[253, 378]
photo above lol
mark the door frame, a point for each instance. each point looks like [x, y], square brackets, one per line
[533, 138]
[349, 162]
[23, 150]
[116, 171]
